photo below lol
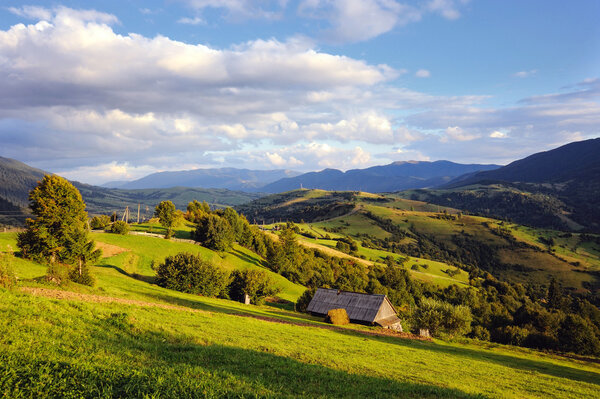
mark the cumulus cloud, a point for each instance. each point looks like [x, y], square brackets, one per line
[74, 94]
[305, 156]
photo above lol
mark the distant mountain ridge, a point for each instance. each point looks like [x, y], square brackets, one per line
[571, 161]
[559, 189]
[228, 178]
[396, 176]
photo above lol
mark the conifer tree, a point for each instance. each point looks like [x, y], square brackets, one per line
[59, 233]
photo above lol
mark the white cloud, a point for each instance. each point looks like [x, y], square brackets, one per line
[446, 8]
[360, 20]
[498, 135]
[75, 93]
[525, 74]
[191, 21]
[455, 133]
[31, 12]
[422, 73]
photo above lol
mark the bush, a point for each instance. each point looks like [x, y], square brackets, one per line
[480, 333]
[57, 273]
[512, 335]
[442, 318]
[8, 279]
[342, 247]
[190, 273]
[338, 317]
[119, 227]
[304, 300]
[84, 277]
[254, 283]
[100, 222]
[577, 335]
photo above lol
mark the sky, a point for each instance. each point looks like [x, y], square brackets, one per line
[103, 90]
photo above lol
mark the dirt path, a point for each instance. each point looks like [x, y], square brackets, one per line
[69, 295]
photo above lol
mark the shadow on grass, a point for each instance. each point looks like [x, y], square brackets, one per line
[246, 258]
[540, 366]
[270, 374]
[140, 277]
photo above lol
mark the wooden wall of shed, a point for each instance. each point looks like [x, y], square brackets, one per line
[385, 310]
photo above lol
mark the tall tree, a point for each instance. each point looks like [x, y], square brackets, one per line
[214, 232]
[60, 233]
[166, 214]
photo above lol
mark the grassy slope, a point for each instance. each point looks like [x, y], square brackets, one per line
[111, 349]
[569, 255]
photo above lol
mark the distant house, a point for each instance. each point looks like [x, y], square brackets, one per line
[361, 308]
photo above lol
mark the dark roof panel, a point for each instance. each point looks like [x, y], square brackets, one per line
[360, 307]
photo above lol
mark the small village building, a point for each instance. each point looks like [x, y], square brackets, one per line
[371, 309]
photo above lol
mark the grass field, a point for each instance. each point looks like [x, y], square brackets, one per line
[168, 344]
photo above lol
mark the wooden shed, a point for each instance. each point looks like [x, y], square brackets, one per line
[361, 308]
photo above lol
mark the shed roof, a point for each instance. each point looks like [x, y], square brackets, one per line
[360, 307]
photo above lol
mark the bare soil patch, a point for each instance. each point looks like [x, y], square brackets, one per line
[109, 250]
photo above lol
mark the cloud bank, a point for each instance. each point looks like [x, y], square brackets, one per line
[76, 95]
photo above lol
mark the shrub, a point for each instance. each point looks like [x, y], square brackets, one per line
[480, 333]
[577, 334]
[304, 300]
[337, 316]
[415, 266]
[442, 317]
[119, 227]
[254, 283]
[100, 222]
[342, 246]
[190, 273]
[57, 273]
[8, 279]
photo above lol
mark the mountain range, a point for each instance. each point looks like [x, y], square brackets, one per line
[558, 189]
[227, 178]
[396, 176]
[393, 177]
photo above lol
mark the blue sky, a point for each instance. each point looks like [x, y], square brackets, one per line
[111, 90]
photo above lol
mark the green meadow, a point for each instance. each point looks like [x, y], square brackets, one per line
[127, 337]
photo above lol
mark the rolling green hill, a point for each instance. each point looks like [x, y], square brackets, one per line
[129, 338]
[397, 225]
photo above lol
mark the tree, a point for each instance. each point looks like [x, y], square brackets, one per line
[254, 283]
[442, 317]
[167, 216]
[59, 234]
[119, 227]
[214, 232]
[100, 222]
[190, 273]
[197, 209]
